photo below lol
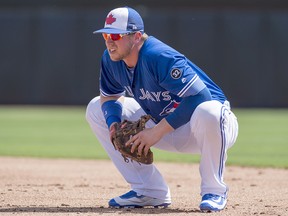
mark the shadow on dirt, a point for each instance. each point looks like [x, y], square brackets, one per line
[102, 210]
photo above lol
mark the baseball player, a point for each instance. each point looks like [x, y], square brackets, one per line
[141, 75]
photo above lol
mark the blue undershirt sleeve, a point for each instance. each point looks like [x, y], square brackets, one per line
[184, 111]
[112, 111]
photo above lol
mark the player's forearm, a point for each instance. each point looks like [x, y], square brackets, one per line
[163, 127]
[184, 111]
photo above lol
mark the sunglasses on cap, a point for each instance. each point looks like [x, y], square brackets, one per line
[115, 37]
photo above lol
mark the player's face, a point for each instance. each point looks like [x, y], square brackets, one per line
[119, 49]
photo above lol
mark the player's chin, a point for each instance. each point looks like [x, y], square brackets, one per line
[114, 55]
[115, 58]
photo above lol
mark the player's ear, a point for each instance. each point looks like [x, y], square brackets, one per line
[138, 36]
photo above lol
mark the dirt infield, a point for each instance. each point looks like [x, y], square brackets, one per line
[83, 187]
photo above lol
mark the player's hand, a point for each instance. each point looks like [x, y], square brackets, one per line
[144, 140]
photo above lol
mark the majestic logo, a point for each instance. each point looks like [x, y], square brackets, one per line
[169, 108]
[110, 19]
[176, 73]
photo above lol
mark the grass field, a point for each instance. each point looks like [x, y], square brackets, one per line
[62, 132]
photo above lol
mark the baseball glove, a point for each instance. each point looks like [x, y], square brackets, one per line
[122, 132]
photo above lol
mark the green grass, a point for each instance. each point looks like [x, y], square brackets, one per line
[263, 138]
[47, 132]
[62, 132]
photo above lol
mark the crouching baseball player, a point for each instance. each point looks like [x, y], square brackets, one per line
[190, 114]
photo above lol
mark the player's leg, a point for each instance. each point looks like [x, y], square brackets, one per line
[212, 130]
[145, 180]
[215, 128]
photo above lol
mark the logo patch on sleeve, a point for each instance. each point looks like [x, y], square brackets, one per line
[176, 73]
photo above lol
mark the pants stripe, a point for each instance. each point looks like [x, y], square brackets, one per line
[223, 145]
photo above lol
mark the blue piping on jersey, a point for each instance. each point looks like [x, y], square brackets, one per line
[189, 84]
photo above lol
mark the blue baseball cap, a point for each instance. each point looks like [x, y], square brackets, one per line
[122, 20]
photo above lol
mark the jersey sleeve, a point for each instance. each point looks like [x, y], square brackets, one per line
[109, 86]
[177, 76]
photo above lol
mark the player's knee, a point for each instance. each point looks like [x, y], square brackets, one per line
[208, 112]
[93, 109]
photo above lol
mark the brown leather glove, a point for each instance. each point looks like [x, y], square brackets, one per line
[120, 133]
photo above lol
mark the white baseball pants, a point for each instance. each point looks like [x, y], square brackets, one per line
[213, 129]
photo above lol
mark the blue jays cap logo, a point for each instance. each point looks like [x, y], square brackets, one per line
[110, 19]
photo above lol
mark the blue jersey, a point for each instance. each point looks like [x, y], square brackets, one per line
[159, 81]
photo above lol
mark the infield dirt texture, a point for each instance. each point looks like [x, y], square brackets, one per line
[84, 187]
